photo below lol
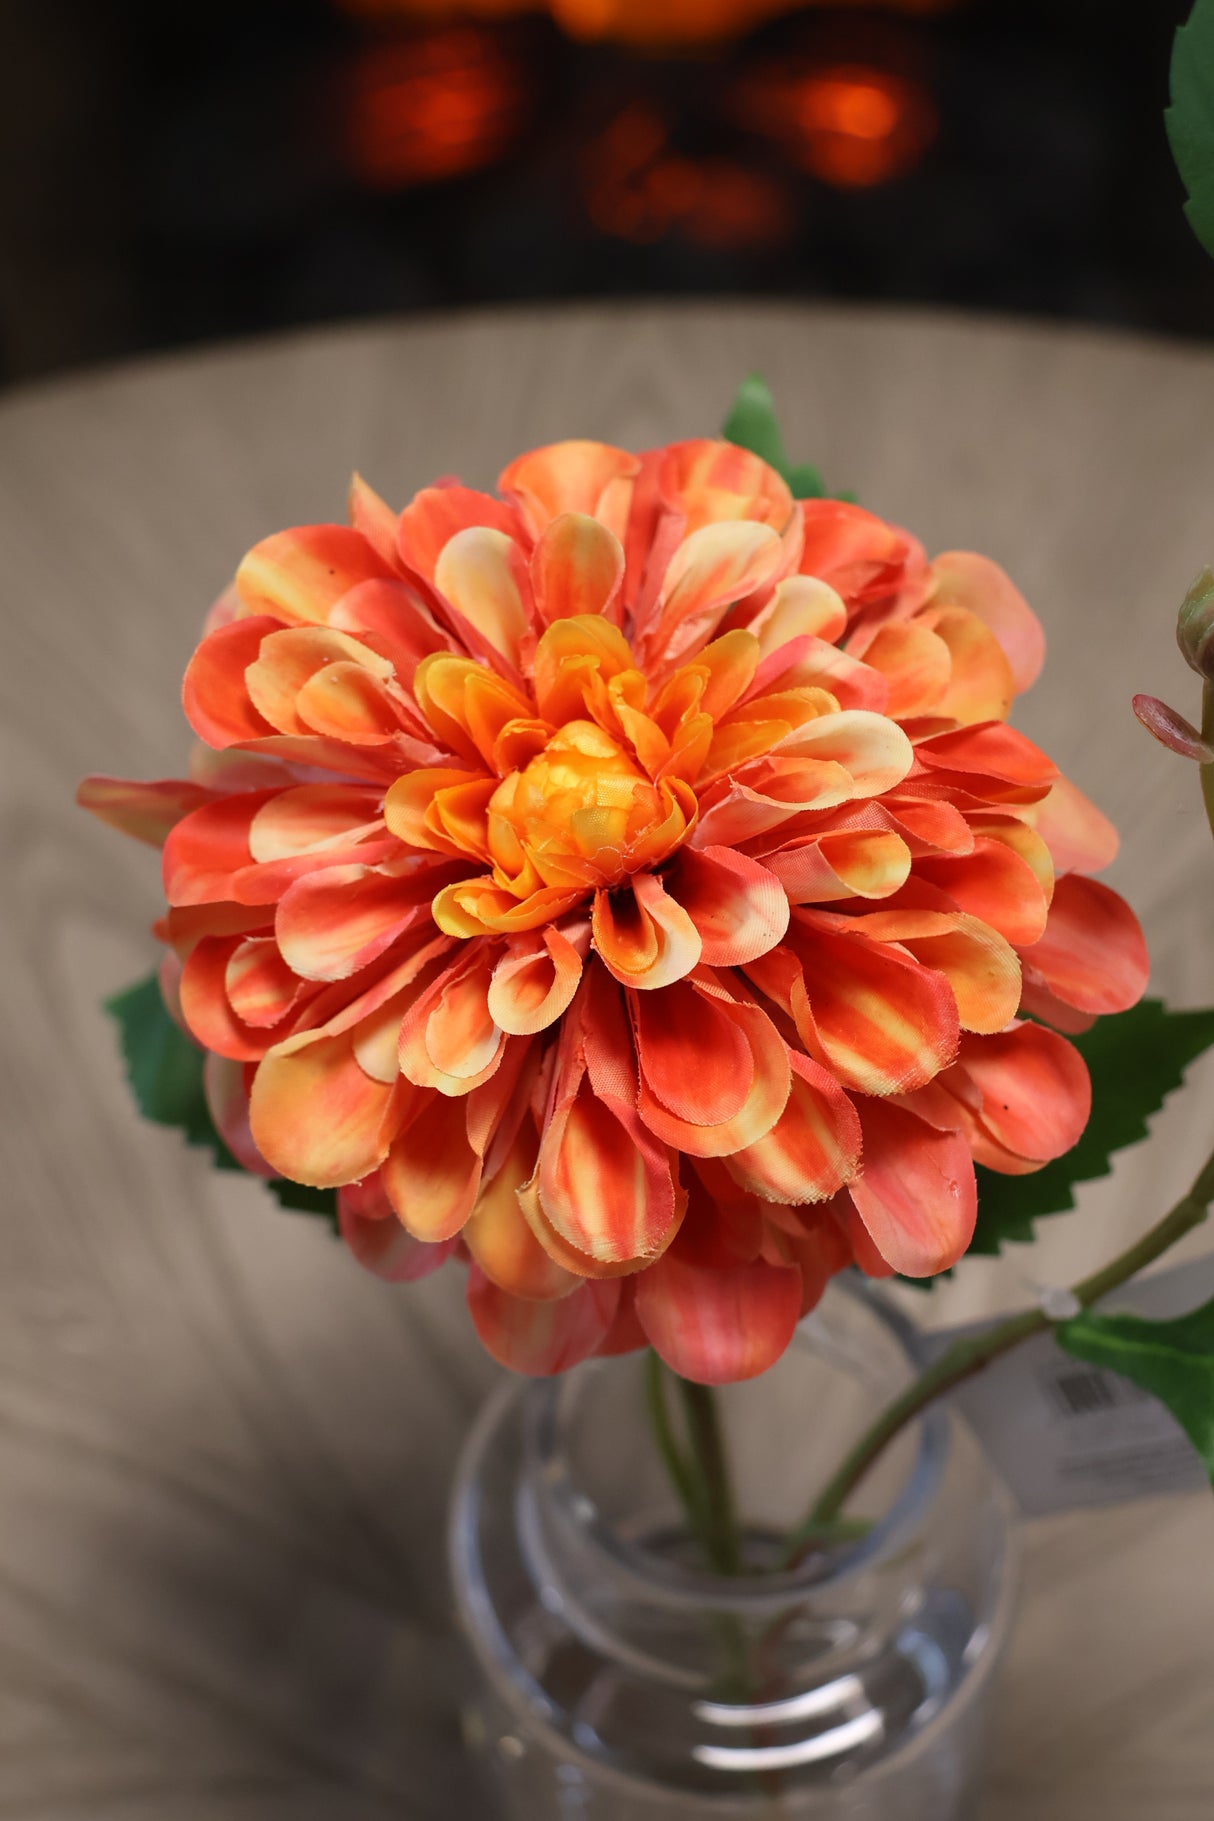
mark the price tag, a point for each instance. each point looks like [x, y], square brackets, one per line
[1064, 1434]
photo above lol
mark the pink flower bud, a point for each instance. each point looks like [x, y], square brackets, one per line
[1172, 730]
[1195, 626]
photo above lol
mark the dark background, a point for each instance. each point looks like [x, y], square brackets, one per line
[175, 172]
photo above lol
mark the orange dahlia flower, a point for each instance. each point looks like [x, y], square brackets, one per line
[630, 884]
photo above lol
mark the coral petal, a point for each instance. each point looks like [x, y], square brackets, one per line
[214, 693]
[531, 989]
[501, 1241]
[576, 568]
[1080, 837]
[1092, 955]
[541, 1338]
[573, 476]
[917, 1195]
[812, 1150]
[379, 1241]
[147, 812]
[316, 1116]
[478, 572]
[963, 579]
[644, 936]
[1036, 1095]
[436, 514]
[432, 1174]
[768, 1086]
[716, 1327]
[297, 575]
[738, 908]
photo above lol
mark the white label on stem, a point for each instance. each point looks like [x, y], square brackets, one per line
[1063, 1433]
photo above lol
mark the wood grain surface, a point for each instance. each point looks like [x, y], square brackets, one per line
[224, 1450]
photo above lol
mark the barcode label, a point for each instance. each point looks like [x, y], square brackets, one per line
[1085, 1393]
[1064, 1434]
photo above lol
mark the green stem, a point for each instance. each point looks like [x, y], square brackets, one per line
[1207, 734]
[966, 1357]
[679, 1470]
[721, 1536]
[700, 1475]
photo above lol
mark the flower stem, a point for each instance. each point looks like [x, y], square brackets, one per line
[1207, 734]
[721, 1536]
[700, 1475]
[966, 1357]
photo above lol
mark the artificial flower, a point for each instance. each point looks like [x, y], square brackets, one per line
[629, 885]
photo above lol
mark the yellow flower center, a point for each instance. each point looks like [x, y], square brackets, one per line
[572, 817]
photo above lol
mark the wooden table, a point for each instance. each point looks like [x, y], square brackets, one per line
[224, 1451]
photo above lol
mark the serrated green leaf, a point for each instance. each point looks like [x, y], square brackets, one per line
[165, 1068]
[1135, 1059]
[1174, 1360]
[752, 424]
[1190, 118]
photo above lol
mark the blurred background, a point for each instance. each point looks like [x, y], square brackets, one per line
[193, 169]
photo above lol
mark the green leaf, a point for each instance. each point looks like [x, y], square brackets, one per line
[164, 1069]
[752, 425]
[1174, 1360]
[1190, 119]
[1135, 1059]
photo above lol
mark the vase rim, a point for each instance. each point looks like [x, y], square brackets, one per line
[677, 1585]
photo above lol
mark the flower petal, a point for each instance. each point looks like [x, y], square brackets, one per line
[479, 572]
[298, 575]
[1093, 955]
[573, 476]
[533, 985]
[644, 936]
[379, 1241]
[917, 1195]
[1034, 1091]
[712, 569]
[915, 663]
[658, 1023]
[316, 1116]
[541, 1338]
[1079, 836]
[449, 1040]
[577, 567]
[330, 924]
[208, 846]
[994, 884]
[501, 1241]
[981, 686]
[432, 1173]
[148, 812]
[605, 1183]
[738, 908]
[801, 607]
[436, 514]
[878, 1019]
[225, 1085]
[963, 579]
[812, 1150]
[716, 1327]
[214, 693]
[981, 966]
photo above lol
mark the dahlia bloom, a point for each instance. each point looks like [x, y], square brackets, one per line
[630, 885]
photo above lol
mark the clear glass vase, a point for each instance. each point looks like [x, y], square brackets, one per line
[613, 1679]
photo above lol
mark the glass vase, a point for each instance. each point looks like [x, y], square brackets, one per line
[614, 1679]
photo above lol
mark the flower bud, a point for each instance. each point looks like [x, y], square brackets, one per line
[1195, 626]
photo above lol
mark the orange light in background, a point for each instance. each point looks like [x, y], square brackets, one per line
[639, 189]
[853, 125]
[432, 107]
[653, 24]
